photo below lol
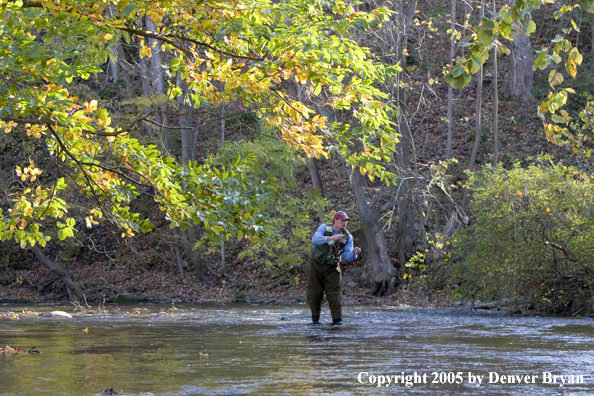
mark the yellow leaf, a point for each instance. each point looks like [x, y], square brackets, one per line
[519, 192]
[548, 210]
[86, 329]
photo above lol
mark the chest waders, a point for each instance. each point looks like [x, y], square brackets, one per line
[325, 275]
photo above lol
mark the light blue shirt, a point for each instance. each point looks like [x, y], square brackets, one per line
[319, 238]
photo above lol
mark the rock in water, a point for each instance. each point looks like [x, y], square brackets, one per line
[58, 314]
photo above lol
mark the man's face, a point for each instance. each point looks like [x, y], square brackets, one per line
[340, 224]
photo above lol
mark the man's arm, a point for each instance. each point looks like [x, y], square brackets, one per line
[319, 238]
[348, 252]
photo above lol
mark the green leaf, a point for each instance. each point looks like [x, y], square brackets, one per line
[530, 28]
[574, 54]
[485, 36]
[459, 81]
[588, 5]
[555, 78]
[540, 63]
[506, 31]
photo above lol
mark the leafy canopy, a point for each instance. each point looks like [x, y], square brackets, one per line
[250, 51]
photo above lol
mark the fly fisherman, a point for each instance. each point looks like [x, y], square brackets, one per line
[331, 243]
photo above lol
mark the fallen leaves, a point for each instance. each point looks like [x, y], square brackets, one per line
[8, 350]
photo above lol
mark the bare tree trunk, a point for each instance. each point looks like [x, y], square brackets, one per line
[467, 12]
[74, 290]
[186, 123]
[522, 76]
[125, 68]
[314, 173]
[405, 216]
[378, 267]
[495, 106]
[478, 126]
[312, 163]
[113, 64]
[157, 78]
[193, 256]
[316, 181]
[450, 88]
[180, 264]
[146, 87]
[479, 103]
[223, 262]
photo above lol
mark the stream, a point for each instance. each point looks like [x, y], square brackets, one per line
[274, 350]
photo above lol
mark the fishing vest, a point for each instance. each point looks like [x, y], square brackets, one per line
[330, 253]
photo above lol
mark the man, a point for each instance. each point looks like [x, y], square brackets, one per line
[331, 242]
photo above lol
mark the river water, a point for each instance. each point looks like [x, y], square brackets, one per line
[273, 350]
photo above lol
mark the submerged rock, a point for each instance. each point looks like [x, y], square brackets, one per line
[123, 298]
[298, 298]
[254, 298]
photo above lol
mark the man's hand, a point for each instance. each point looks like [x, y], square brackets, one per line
[336, 237]
[357, 250]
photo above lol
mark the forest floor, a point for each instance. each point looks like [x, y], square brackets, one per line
[252, 284]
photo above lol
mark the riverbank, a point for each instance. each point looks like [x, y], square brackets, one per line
[252, 284]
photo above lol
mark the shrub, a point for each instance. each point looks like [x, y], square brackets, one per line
[530, 238]
[288, 215]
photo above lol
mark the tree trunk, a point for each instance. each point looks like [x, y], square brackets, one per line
[193, 256]
[113, 63]
[74, 291]
[495, 107]
[478, 126]
[450, 88]
[467, 12]
[405, 229]
[180, 264]
[521, 83]
[312, 163]
[146, 87]
[479, 103]
[157, 78]
[406, 232]
[186, 123]
[379, 270]
[314, 173]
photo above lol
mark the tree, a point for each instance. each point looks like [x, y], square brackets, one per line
[522, 59]
[513, 22]
[224, 51]
[450, 88]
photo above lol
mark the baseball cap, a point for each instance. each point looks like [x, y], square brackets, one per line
[341, 215]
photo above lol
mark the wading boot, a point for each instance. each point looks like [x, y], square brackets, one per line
[315, 320]
[337, 321]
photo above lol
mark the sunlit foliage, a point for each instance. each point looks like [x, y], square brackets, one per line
[246, 51]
